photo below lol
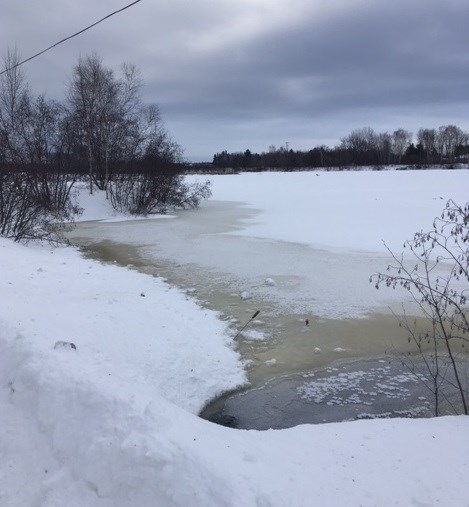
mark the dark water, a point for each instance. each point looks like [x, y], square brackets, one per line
[346, 390]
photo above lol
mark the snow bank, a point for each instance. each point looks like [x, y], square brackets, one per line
[140, 348]
[130, 329]
[72, 442]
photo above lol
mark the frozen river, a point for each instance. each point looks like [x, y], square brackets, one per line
[299, 248]
[318, 311]
[207, 254]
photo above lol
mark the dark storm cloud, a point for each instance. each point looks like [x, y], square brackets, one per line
[370, 57]
[227, 73]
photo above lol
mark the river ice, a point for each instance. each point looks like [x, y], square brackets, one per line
[316, 239]
[274, 251]
[203, 252]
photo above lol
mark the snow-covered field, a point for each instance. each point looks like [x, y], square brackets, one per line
[344, 211]
[113, 421]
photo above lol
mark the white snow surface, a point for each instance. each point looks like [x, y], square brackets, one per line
[343, 210]
[113, 422]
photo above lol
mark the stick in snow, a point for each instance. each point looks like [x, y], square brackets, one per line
[247, 323]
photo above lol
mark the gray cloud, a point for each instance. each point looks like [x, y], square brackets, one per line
[236, 74]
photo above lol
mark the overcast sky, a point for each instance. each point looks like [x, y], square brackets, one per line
[237, 74]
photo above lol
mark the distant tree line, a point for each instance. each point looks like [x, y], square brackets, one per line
[362, 147]
[102, 131]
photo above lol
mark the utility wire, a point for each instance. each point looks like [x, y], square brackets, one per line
[70, 37]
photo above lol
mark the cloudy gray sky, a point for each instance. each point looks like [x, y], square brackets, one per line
[237, 74]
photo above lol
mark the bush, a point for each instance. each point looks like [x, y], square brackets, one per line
[442, 295]
[143, 194]
[31, 207]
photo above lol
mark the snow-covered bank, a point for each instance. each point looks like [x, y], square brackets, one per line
[134, 328]
[112, 422]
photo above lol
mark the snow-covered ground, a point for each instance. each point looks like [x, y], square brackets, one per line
[343, 210]
[112, 422]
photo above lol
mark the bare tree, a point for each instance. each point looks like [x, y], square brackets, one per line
[384, 146]
[110, 118]
[427, 139]
[401, 140]
[34, 191]
[104, 125]
[92, 101]
[360, 140]
[437, 278]
[449, 137]
[14, 105]
[364, 146]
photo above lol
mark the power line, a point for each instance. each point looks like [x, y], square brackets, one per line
[70, 37]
